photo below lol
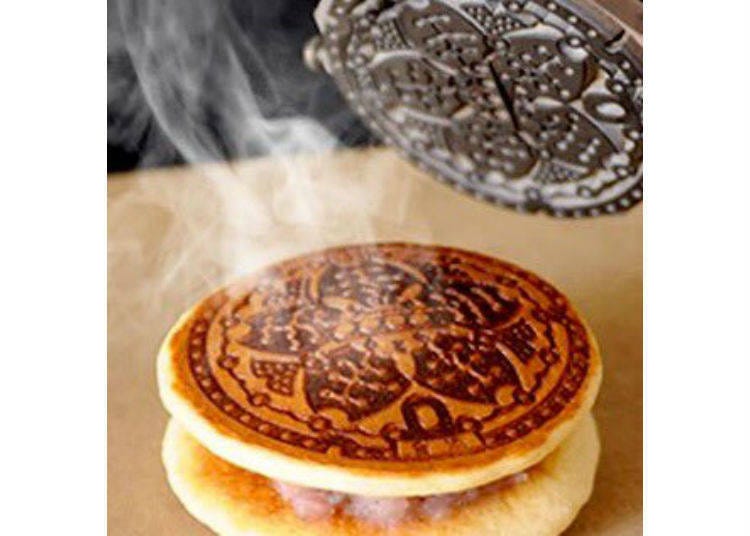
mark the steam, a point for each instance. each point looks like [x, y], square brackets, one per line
[191, 61]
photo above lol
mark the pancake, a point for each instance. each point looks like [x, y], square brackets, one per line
[384, 370]
[232, 501]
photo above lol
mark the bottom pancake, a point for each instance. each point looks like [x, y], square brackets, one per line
[236, 502]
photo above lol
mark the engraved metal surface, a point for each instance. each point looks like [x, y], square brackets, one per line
[528, 104]
[392, 352]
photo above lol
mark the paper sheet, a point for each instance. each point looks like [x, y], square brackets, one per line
[175, 234]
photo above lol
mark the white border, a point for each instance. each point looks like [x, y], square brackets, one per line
[53, 225]
[697, 260]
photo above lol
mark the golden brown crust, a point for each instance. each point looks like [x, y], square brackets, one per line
[431, 368]
[233, 502]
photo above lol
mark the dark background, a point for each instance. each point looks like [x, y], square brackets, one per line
[278, 30]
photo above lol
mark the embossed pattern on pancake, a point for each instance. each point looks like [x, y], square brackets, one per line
[527, 103]
[392, 352]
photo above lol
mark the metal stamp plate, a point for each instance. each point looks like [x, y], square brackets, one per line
[535, 105]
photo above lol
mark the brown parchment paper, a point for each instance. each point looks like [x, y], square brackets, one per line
[173, 236]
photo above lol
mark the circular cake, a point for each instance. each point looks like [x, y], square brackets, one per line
[386, 369]
[235, 502]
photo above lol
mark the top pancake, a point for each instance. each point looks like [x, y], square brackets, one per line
[388, 370]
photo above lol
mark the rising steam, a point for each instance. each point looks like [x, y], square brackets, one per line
[191, 61]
